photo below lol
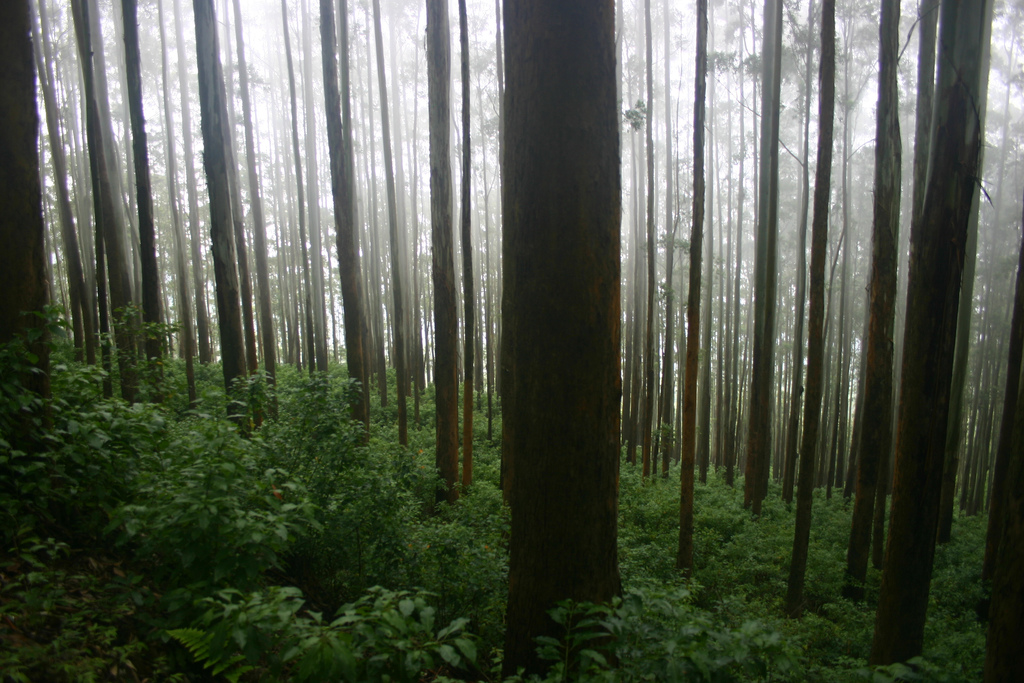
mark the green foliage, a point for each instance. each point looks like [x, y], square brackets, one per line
[207, 515]
[382, 636]
[661, 636]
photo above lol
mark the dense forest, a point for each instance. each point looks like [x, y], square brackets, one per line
[534, 340]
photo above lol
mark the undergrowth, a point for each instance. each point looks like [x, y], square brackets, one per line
[157, 542]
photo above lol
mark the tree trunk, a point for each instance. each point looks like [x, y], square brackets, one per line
[198, 277]
[561, 209]
[648, 407]
[878, 388]
[81, 301]
[468, 296]
[23, 258]
[144, 191]
[936, 267]
[339, 141]
[443, 264]
[793, 426]
[684, 557]
[759, 438]
[188, 344]
[398, 322]
[259, 230]
[214, 119]
[109, 217]
[816, 314]
[1006, 613]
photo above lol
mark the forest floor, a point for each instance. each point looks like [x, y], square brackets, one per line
[154, 543]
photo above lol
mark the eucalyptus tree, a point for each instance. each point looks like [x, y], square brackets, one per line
[684, 557]
[339, 138]
[759, 439]
[936, 266]
[468, 294]
[81, 303]
[143, 184]
[267, 337]
[561, 309]
[443, 267]
[398, 326]
[110, 228]
[816, 312]
[878, 377]
[213, 110]
[23, 258]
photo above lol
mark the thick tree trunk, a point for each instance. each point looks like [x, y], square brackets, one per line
[936, 266]
[816, 314]
[23, 257]
[878, 389]
[443, 260]
[561, 209]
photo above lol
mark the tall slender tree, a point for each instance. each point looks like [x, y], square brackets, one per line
[816, 313]
[143, 184]
[213, 110]
[259, 231]
[468, 287]
[109, 222]
[936, 265]
[443, 260]
[878, 389]
[755, 486]
[339, 144]
[81, 303]
[398, 327]
[684, 557]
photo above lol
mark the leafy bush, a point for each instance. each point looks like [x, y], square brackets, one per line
[207, 516]
[650, 636]
[383, 636]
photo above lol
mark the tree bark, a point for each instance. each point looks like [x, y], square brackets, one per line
[266, 326]
[143, 188]
[214, 119]
[878, 389]
[936, 265]
[561, 210]
[468, 296]
[23, 258]
[816, 314]
[400, 360]
[684, 557]
[446, 456]
[339, 142]
[759, 438]
[109, 219]
[188, 344]
[80, 300]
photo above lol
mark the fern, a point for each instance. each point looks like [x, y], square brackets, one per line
[197, 642]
